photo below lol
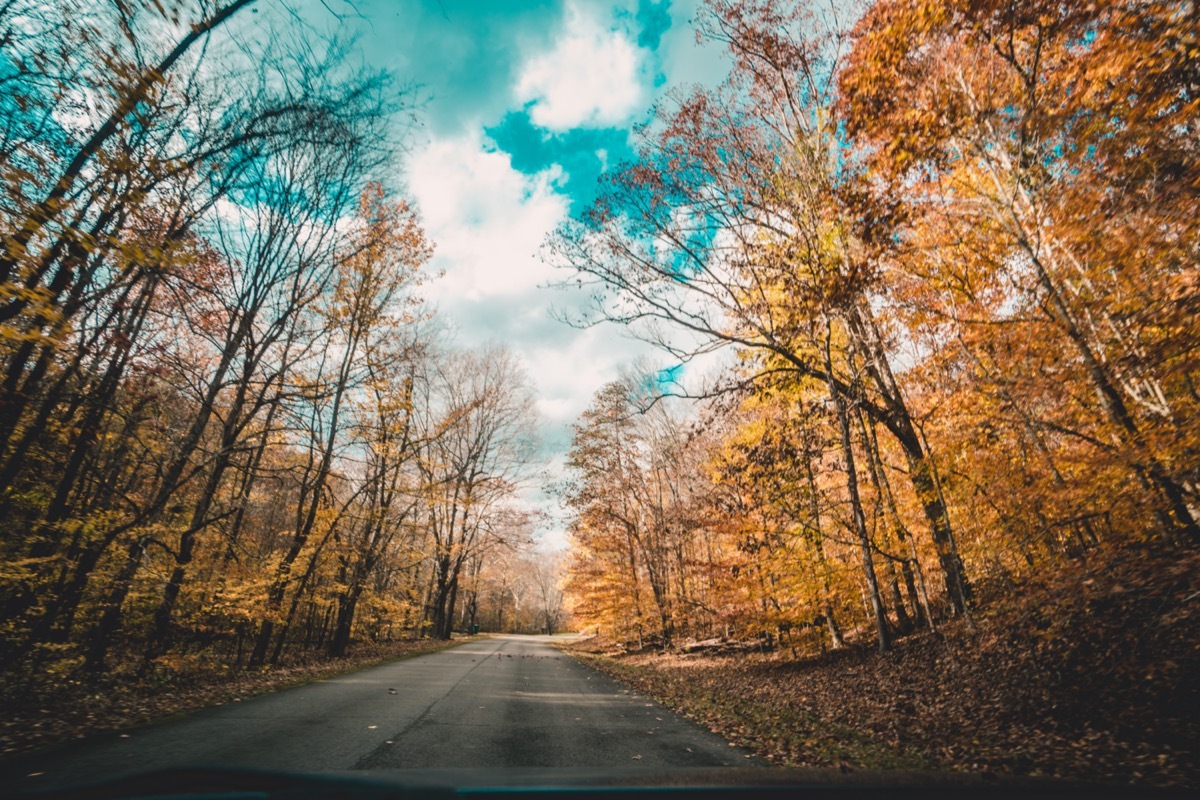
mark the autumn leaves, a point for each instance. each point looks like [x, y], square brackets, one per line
[951, 244]
[231, 433]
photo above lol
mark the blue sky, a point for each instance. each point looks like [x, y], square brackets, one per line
[527, 102]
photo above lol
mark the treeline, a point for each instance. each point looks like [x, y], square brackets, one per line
[953, 246]
[515, 591]
[230, 433]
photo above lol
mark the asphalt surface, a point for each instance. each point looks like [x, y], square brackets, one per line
[499, 704]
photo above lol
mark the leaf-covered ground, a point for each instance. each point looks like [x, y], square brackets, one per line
[1092, 675]
[43, 712]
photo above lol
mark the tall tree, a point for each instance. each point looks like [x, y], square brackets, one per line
[1006, 130]
[733, 228]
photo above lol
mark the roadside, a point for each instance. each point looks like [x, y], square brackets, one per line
[1089, 675]
[72, 710]
[772, 725]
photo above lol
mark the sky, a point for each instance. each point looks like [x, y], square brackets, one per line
[525, 103]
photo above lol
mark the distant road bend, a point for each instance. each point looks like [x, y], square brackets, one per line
[498, 703]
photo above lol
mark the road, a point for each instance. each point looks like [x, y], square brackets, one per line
[508, 702]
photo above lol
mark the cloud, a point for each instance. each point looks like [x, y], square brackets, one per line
[488, 221]
[529, 102]
[487, 218]
[593, 77]
[569, 369]
[458, 59]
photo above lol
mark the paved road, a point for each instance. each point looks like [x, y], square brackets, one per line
[505, 702]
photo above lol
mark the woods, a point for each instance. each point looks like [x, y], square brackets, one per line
[932, 268]
[232, 433]
[923, 279]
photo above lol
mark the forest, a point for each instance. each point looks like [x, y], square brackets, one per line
[949, 250]
[923, 274]
[232, 433]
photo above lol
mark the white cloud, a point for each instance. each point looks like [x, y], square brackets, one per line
[592, 77]
[488, 222]
[570, 372]
[486, 218]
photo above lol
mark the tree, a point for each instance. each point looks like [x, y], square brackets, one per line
[480, 441]
[1006, 130]
[199, 340]
[547, 576]
[734, 228]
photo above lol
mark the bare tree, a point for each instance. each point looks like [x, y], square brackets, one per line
[481, 443]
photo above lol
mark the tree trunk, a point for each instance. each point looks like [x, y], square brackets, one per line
[898, 421]
[344, 625]
[110, 619]
[860, 521]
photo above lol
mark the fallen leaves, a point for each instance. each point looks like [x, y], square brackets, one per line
[1085, 684]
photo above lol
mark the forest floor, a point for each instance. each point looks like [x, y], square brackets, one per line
[1086, 673]
[49, 712]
